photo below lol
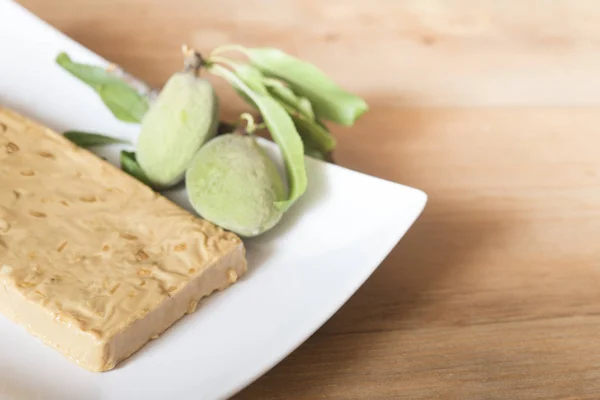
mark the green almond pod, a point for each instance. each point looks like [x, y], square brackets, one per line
[234, 184]
[183, 118]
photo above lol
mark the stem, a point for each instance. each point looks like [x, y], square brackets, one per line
[224, 73]
[228, 47]
[250, 125]
[222, 60]
[192, 60]
[274, 81]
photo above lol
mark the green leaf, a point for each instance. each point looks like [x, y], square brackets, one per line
[307, 126]
[122, 100]
[87, 139]
[252, 77]
[130, 165]
[311, 129]
[300, 109]
[321, 138]
[285, 95]
[280, 126]
[313, 152]
[329, 100]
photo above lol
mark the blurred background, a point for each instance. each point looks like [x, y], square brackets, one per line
[399, 52]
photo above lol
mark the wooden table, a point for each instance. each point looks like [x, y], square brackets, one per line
[491, 107]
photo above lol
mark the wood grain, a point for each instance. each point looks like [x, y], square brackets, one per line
[493, 108]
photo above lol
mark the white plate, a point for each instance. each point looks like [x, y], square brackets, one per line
[300, 273]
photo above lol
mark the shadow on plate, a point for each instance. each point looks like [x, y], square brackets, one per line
[14, 388]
